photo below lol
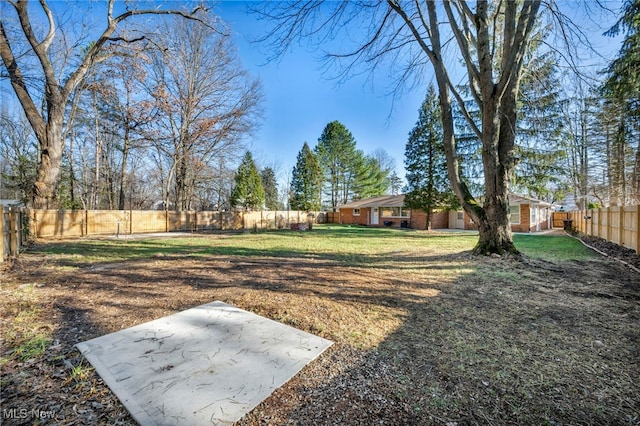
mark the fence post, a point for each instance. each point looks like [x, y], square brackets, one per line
[638, 228]
[13, 231]
[621, 226]
[2, 234]
[33, 225]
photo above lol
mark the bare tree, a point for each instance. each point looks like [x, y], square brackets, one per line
[58, 83]
[411, 34]
[207, 104]
[125, 111]
[579, 113]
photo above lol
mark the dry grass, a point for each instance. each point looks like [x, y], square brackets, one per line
[424, 332]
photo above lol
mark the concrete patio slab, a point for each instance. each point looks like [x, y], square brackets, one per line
[207, 365]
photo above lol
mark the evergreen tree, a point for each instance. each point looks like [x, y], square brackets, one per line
[248, 192]
[270, 186]
[339, 160]
[622, 92]
[306, 181]
[427, 184]
[395, 183]
[540, 172]
[538, 144]
[623, 74]
[371, 177]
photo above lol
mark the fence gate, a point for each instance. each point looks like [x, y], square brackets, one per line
[559, 218]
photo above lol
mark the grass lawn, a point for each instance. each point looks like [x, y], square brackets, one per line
[425, 332]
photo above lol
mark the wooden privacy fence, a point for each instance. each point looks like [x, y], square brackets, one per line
[333, 217]
[620, 225]
[79, 223]
[12, 230]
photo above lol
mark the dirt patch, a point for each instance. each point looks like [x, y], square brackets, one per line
[613, 250]
[451, 339]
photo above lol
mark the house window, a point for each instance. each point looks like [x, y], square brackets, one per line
[356, 212]
[534, 214]
[395, 212]
[514, 212]
[460, 215]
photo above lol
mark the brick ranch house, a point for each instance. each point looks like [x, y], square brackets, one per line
[527, 214]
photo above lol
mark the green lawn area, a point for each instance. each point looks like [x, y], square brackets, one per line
[554, 248]
[425, 333]
[354, 244]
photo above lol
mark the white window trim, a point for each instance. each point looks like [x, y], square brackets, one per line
[512, 216]
[356, 212]
[405, 212]
[533, 214]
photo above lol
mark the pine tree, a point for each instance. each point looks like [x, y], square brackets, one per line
[371, 178]
[540, 172]
[622, 92]
[395, 183]
[306, 181]
[339, 160]
[248, 192]
[538, 144]
[427, 184]
[270, 185]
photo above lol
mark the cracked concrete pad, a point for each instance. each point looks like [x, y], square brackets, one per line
[207, 365]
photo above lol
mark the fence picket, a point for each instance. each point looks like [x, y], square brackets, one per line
[620, 225]
[72, 223]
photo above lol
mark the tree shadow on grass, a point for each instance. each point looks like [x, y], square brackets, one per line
[484, 352]
[419, 339]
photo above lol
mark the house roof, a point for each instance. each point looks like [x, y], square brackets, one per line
[521, 199]
[398, 201]
[382, 201]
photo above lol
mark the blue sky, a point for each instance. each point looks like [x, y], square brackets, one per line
[300, 100]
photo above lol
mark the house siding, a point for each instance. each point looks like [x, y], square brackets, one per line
[545, 225]
[347, 217]
[525, 224]
[439, 220]
[417, 219]
[469, 225]
[525, 220]
[395, 221]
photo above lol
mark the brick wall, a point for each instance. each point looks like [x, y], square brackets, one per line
[418, 219]
[439, 220]
[525, 219]
[347, 217]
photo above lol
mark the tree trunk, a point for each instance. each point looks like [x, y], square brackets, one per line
[123, 168]
[181, 184]
[48, 176]
[495, 226]
[49, 134]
